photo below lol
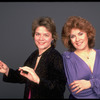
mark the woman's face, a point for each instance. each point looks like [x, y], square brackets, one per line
[79, 39]
[42, 38]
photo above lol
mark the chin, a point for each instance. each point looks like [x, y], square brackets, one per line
[42, 48]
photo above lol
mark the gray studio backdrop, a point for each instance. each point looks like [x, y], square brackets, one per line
[16, 42]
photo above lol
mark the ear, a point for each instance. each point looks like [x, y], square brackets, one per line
[52, 40]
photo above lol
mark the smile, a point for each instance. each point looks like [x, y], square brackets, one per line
[41, 43]
[78, 44]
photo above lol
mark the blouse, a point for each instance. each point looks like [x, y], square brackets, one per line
[77, 69]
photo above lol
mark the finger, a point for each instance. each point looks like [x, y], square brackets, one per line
[23, 74]
[1, 62]
[74, 82]
[75, 89]
[25, 68]
[1, 66]
[79, 90]
[28, 69]
[20, 68]
[74, 86]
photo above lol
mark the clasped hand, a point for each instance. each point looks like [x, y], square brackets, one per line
[31, 75]
[79, 85]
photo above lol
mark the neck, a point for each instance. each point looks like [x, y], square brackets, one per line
[40, 55]
[84, 53]
[41, 51]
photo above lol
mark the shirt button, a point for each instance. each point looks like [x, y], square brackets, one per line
[68, 57]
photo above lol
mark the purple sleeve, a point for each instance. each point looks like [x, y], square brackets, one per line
[95, 81]
[95, 85]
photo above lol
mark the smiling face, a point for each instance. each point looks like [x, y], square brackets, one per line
[79, 39]
[42, 38]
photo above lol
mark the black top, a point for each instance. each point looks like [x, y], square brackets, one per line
[51, 72]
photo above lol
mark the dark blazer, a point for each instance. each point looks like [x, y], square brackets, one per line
[51, 72]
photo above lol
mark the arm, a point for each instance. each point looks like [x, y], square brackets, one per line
[56, 80]
[79, 85]
[50, 75]
[95, 85]
[10, 75]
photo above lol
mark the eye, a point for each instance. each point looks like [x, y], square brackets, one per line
[72, 36]
[46, 35]
[80, 33]
[37, 33]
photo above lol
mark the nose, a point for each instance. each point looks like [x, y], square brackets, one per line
[77, 38]
[41, 37]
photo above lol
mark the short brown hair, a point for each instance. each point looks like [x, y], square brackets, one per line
[50, 26]
[80, 23]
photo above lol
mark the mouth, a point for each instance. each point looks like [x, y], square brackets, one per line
[79, 43]
[41, 43]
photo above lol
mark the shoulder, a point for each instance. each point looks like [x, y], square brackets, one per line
[55, 52]
[31, 56]
[67, 54]
[97, 51]
[34, 53]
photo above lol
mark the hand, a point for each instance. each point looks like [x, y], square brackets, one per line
[31, 75]
[4, 68]
[79, 85]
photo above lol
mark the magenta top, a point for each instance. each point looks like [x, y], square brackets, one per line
[76, 69]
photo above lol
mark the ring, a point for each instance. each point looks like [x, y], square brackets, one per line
[78, 87]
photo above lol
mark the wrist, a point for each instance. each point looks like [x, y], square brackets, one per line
[7, 71]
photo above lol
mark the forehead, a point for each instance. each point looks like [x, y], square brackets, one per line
[74, 31]
[41, 28]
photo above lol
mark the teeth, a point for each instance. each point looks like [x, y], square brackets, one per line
[41, 43]
[78, 43]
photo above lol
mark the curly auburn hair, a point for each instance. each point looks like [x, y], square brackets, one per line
[80, 23]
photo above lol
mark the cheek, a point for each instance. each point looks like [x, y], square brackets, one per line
[36, 38]
[72, 41]
[49, 40]
[86, 38]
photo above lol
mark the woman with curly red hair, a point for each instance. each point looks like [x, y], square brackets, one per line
[81, 60]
